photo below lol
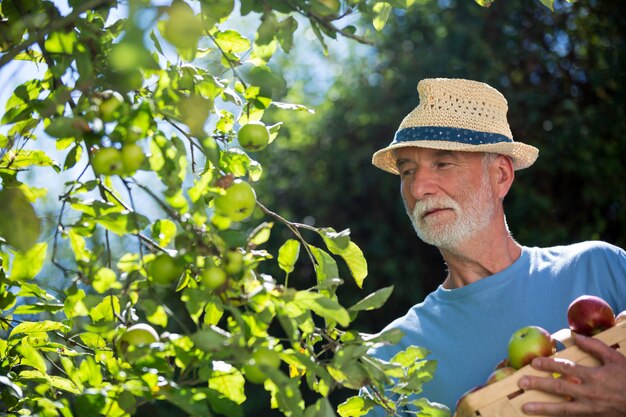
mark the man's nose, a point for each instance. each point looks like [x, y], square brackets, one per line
[422, 184]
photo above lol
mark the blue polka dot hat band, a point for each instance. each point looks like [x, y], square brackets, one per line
[450, 134]
[457, 115]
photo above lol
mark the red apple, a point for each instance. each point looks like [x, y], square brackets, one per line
[589, 315]
[620, 317]
[528, 343]
[500, 373]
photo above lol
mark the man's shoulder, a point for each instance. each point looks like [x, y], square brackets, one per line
[590, 248]
[559, 258]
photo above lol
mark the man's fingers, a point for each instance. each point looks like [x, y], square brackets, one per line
[597, 348]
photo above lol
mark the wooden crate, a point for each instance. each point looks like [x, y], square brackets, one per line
[505, 399]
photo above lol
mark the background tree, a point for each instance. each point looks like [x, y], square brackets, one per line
[563, 75]
[150, 295]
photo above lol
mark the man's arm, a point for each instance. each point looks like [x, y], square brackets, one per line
[598, 391]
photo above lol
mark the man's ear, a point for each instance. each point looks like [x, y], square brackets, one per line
[504, 174]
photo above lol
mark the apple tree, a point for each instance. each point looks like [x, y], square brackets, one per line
[150, 284]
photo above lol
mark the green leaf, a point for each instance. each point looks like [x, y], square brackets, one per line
[31, 357]
[37, 308]
[321, 408]
[189, 400]
[323, 306]
[232, 41]
[410, 355]
[373, 301]
[123, 223]
[104, 280]
[288, 255]
[356, 406]
[163, 231]
[216, 11]
[339, 244]
[106, 310]
[55, 381]
[286, 29]
[61, 43]
[38, 327]
[228, 381]
[79, 246]
[27, 158]
[26, 265]
[19, 225]
[431, 409]
[74, 306]
[382, 10]
[549, 4]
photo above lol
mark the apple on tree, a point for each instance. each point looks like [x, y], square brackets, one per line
[111, 101]
[139, 334]
[164, 270]
[253, 137]
[107, 161]
[528, 343]
[261, 358]
[132, 157]
[238, 202]
[589, 315]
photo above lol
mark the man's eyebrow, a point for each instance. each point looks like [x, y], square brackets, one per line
[401, 161]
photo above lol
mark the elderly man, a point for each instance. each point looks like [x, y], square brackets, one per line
[456, 159]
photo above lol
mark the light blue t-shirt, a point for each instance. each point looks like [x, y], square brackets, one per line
[467, 329]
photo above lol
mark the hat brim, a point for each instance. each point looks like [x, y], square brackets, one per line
[523, 155]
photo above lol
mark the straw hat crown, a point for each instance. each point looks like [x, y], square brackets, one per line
[461, 115]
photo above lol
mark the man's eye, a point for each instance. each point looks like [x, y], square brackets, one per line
[406, 172]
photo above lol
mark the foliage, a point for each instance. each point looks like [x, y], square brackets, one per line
[563, 76]
[149, 234]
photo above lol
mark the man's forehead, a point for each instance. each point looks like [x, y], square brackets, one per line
[415, 153]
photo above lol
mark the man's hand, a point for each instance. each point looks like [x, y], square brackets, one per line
[598, 391]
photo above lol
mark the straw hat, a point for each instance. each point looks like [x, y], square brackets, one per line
[457, 115]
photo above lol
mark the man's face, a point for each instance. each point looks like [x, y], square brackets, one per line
[447, 194]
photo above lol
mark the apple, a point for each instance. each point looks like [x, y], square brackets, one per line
[262, 357]
[213, 277]
[500, 373]
[139, 334]
[238, 202]
[132, 157]
[164, 269]
[111, 101]
[528, 343]
[589, 315]
[107, 161]
[253, 136]
[621, 317]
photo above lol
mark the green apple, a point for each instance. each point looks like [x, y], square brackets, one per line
[164, 270]
[238, 202]
[139, 334]
[132, 157]
[111, 101]
[262, 358]
[233, 262]
[528, 343]
[213, 277]
[253, 137]
[107, 161]
[183, 28]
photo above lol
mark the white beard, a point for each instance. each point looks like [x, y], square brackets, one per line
[452, 234]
